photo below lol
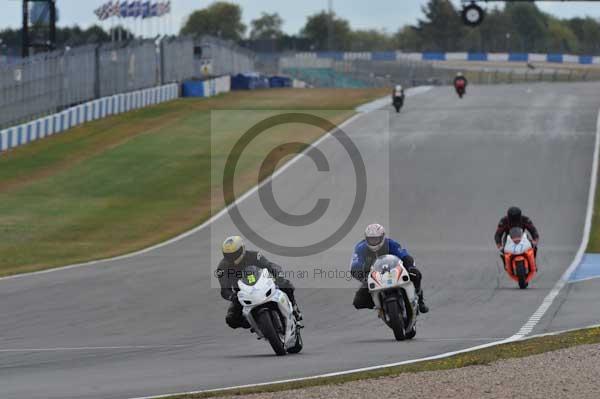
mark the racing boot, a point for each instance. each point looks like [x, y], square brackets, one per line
[422, 307]
[297, 312]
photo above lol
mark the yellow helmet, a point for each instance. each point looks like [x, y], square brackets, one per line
[234, 249]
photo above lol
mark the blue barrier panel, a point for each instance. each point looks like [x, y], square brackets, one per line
[9, 133]
[586, 59]
[383, 56]
[518, 57]
[46, 127]
[62, 122]
[554, 58]
[240, 82]
[280, 81]
[477, 57]
[38, 130]
[336, 55]
[193, 88]
[434, 56]
[19, 135]
[29, 133]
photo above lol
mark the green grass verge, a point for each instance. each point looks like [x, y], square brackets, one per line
[129, 181]
[485, 356]
[594, 242]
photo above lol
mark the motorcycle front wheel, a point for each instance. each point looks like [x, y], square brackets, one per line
[396, 319]
[522, 276]
[265, 323]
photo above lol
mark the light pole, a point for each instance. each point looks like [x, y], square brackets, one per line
[330, 25]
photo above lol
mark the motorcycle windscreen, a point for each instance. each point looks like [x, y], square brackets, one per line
[385, 264]
[516, 234]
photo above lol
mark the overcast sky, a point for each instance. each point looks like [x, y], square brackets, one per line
[380, 14]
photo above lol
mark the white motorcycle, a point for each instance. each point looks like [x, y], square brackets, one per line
[394, 296]
[269, 311]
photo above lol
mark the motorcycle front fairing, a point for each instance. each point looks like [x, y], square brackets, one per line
[262, 293]
[381, 281]
[519, 247]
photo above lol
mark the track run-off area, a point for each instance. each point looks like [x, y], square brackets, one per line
[440, 174]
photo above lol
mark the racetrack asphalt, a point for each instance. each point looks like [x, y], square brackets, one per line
[439, 178]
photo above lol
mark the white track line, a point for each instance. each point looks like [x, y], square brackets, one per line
[90, 348]
[549, 299]
[362, 110]
[335, 374]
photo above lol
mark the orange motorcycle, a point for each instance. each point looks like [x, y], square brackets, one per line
[519, 257]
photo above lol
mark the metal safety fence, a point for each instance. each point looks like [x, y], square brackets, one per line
[50, 82]
[223, 57]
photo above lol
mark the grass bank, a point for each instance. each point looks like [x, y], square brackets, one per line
[129, 181]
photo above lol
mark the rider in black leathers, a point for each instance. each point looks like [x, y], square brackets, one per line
[235, 260]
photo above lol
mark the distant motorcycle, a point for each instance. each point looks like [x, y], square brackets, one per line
[461, 87]
[398, 102]
[519, 257]
[394, 296]
[269, 311]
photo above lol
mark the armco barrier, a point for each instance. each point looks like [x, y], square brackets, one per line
[57, 123]
[441, 56]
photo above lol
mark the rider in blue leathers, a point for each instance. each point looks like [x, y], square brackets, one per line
[367, 251]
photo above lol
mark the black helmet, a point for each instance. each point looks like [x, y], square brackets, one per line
[514, 215]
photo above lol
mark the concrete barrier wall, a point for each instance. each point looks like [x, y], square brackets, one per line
[97, 109]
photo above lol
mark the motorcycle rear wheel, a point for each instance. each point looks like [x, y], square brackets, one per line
[265, 323]
[299, 344]
[412, 333]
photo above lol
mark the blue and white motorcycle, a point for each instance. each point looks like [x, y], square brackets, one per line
[394, 296]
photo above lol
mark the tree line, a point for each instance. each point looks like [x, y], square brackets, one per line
[65, 36]
[514, 27]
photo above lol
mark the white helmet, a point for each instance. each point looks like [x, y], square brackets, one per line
[375, 236]
[459, 74]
